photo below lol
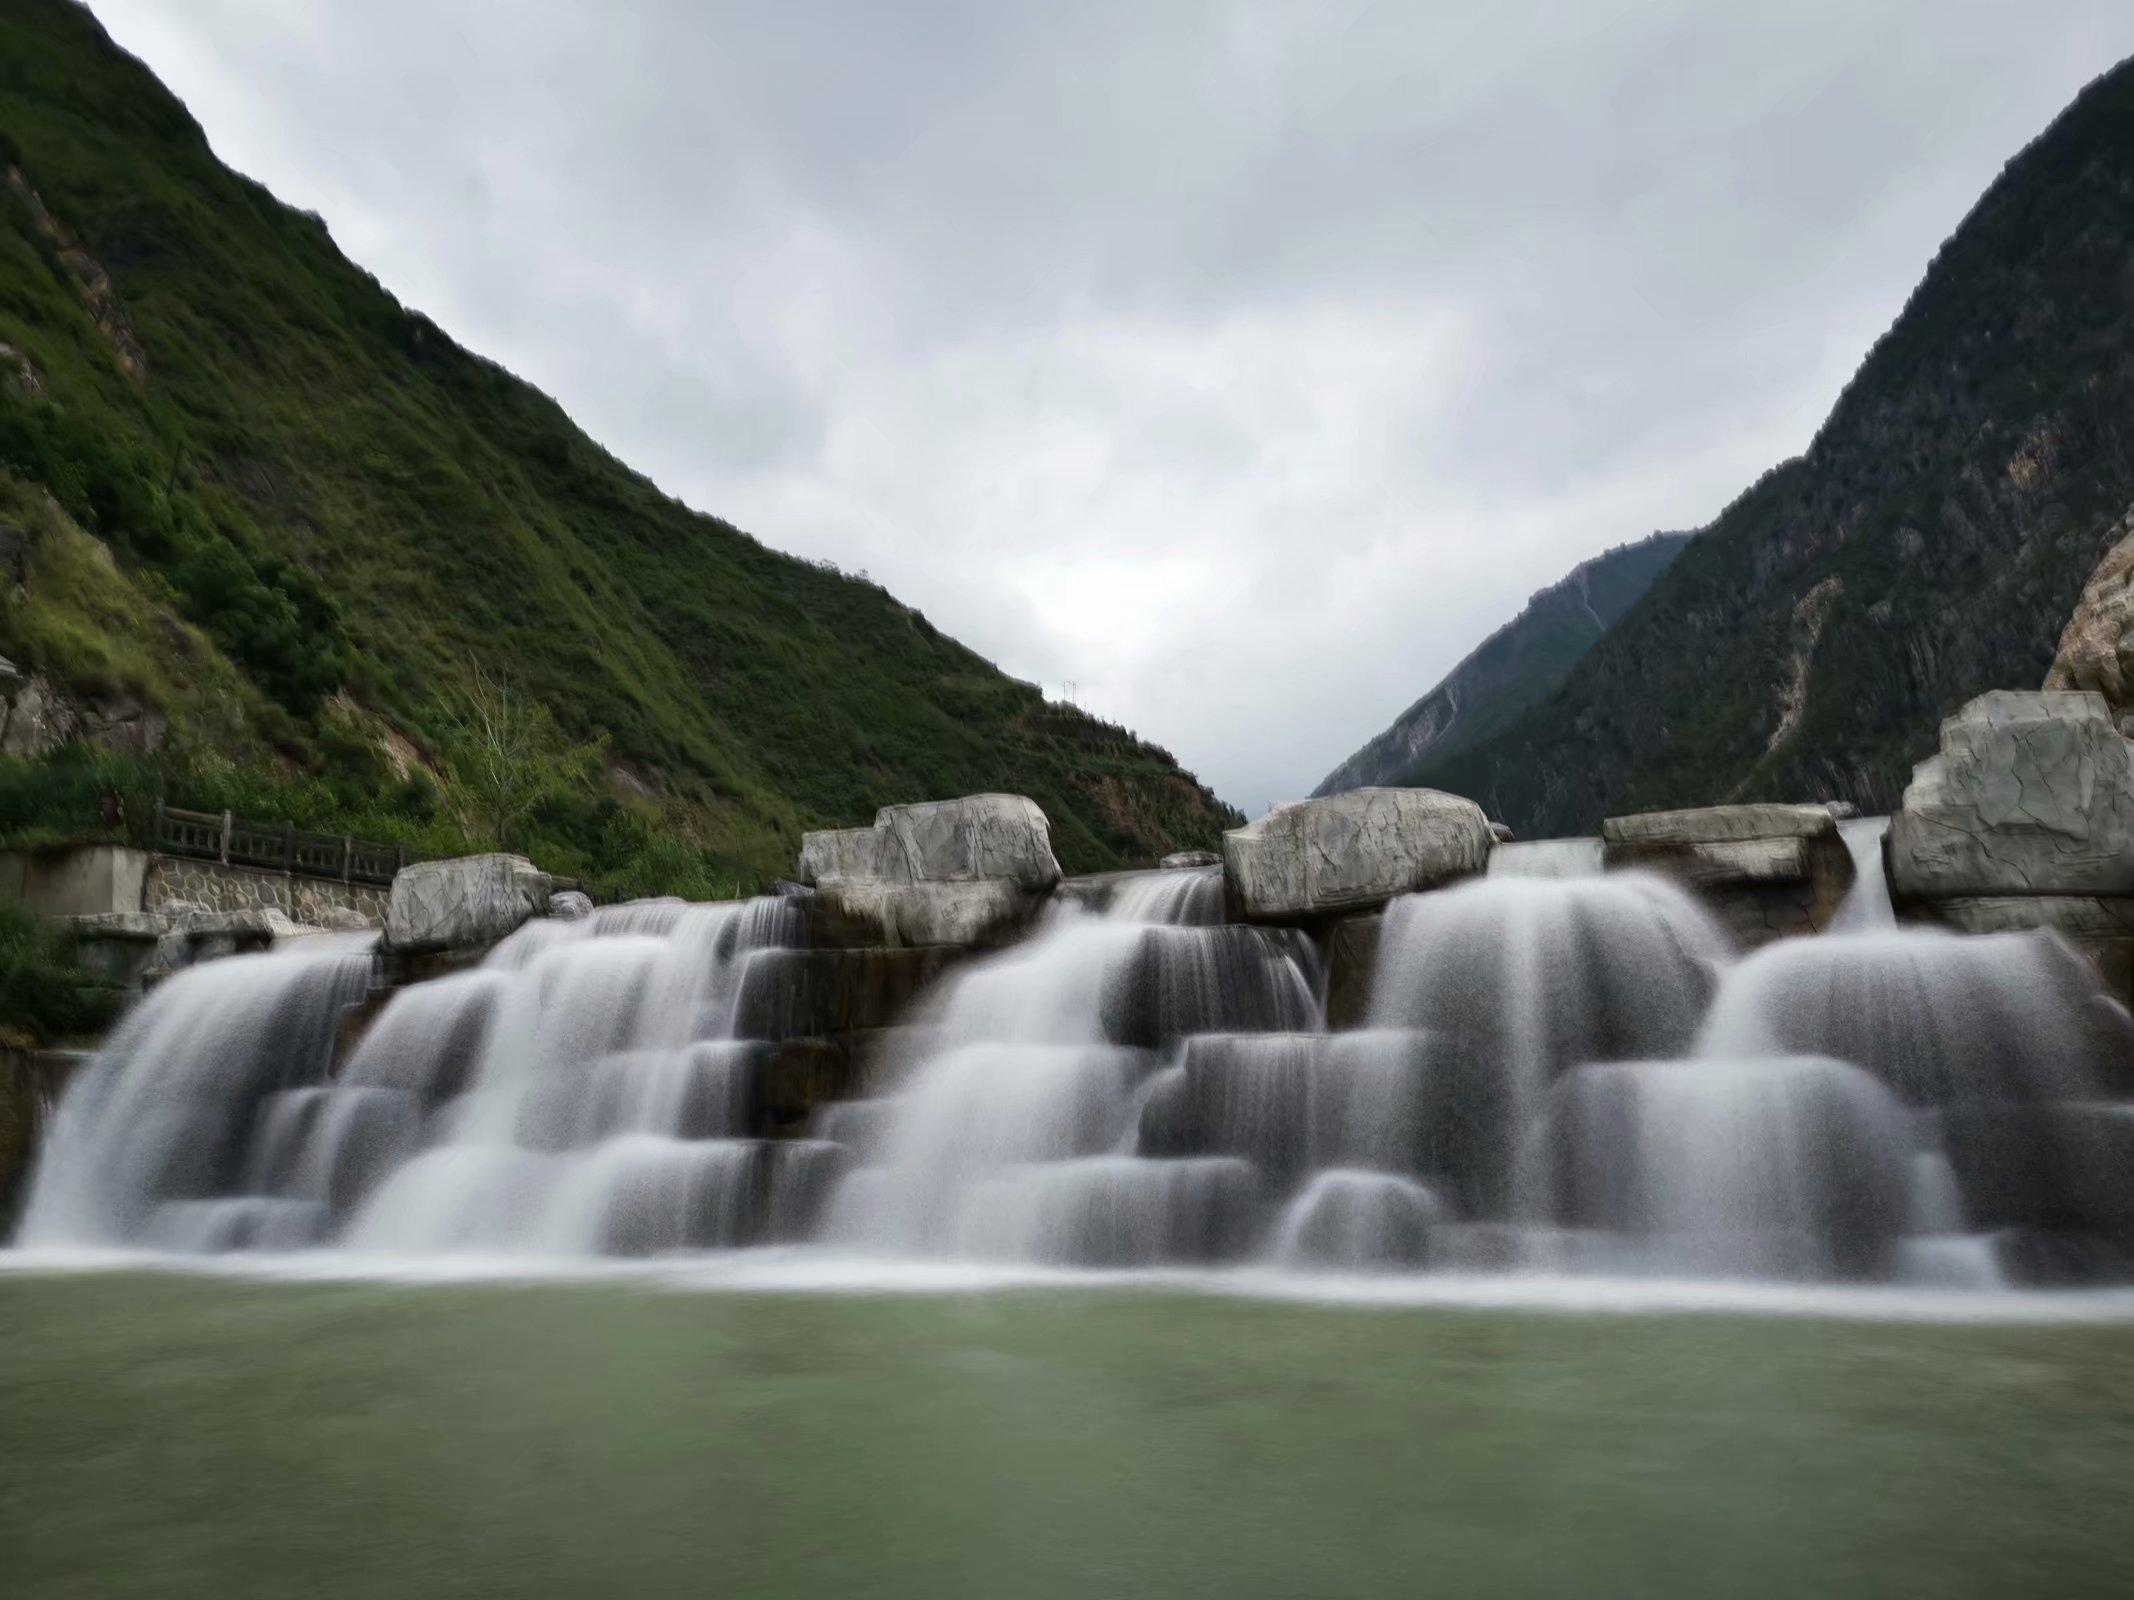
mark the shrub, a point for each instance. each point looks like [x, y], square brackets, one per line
[45, 996]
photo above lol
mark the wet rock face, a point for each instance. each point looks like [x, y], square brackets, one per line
[2097, 646]
[1770, 870]
[465, 902]
[2032, 794]
[861, 915]
[1352, 852]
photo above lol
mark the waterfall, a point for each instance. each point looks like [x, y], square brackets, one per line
[1017, 1137]
[152, 1145]
[1546, 858]
[1867, 903]
[1191, 895]
[607, 1108]
[1563, 1071]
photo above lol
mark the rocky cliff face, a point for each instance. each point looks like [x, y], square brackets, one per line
[1518, 665]
[1930, 544]
[2097, 646]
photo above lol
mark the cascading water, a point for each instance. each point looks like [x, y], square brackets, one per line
[606, 1109]
[153, 1146]
[1561, 1073]
[2017, 1073]
[575, 1095]
[1017, 1137]
[1867, 902]
[1546, 858]
[1189, 896]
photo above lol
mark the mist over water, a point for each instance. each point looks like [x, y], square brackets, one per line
[1566, 1078]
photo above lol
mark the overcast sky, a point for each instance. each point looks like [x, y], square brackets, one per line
[1242, 365]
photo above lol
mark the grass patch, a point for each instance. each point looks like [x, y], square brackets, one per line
[169, 1436]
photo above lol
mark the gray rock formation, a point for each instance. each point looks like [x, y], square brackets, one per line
[570, 905]
[1001, 836]
[1770, 870]
[2097, 646]
[944, 872]
[981, 836]
[1178, 860]
[463, 903]
[837, 855]
[1352, 851]
[2032, 794]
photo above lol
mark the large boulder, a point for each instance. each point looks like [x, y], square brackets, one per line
[960, 841]
[2097, 646]
[1769, 870]
[966, 872]
[1352, 851]
[961, 873]
[2032, 794]
[979, 837]
[463, 903]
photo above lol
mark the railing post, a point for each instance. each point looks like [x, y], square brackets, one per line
[288, 847]
[403, 861]
[348, 856]
[225, 852]
[155, 840]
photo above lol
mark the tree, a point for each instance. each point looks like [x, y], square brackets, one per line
[504, 755]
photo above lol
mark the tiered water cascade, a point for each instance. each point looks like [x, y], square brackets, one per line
[1563, 1072]
[580, 1093]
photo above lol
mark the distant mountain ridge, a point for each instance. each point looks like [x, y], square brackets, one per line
[1514, 668]
[1928, 546]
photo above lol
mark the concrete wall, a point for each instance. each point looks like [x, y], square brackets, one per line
[75, 880]
[84, 880]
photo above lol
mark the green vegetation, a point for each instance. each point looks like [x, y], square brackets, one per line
[1954, 503]
[1512, 670]
[45, 996]
[265, 500]
[172, 1436]
[505, 756]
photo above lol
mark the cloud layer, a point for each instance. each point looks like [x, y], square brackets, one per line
[1240, 364]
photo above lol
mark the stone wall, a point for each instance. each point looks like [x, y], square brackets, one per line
[221, 888]
[100, 879]
[74, 880]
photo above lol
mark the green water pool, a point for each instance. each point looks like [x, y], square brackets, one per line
[169, 1435]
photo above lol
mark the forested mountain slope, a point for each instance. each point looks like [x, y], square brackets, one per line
[315, 491]
[1518, 665]
[1928, 546]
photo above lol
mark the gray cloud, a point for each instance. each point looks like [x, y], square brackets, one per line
[1242, 363]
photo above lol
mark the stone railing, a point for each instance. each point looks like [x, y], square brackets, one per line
[278, 847]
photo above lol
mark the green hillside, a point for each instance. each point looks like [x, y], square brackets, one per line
[321, 515]
[1513, 669]
[1928, 546]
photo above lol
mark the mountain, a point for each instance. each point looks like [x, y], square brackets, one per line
[1928, 546]
[264, 517]
[1513, 668]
